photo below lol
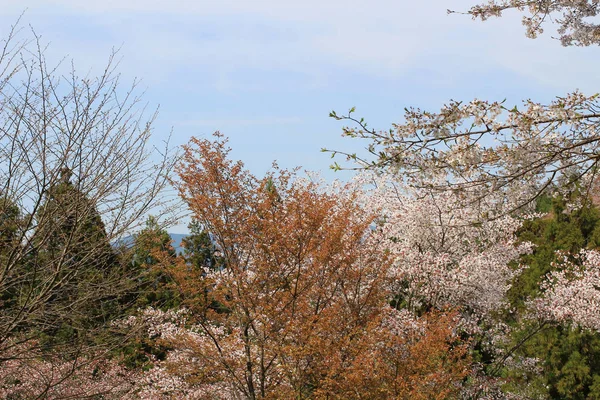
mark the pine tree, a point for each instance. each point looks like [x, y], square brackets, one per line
[199, 249]
[11, 275]
[569, 356]
[10, 222]
[73, 267]
[153, 258]
[70, 230]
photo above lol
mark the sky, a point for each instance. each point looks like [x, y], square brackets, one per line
[266, 73]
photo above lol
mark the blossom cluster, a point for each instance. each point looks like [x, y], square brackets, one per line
[487, 151]
[572, 292]
[53, 378]
[440, 254]
[574, 25]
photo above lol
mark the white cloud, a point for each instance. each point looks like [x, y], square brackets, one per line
[222, 39]
[379, 37]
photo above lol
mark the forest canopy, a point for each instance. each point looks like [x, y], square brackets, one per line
[462, 261]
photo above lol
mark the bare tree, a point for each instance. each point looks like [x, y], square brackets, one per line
[77, 173]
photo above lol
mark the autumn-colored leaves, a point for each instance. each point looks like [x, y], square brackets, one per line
[300, 305]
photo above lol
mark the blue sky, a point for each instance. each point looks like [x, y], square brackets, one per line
[267, 73]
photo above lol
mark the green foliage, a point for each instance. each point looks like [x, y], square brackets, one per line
[62, 283]
[11, 223]
[557, 231]
[569, 357]
[153, 258]
[69, 224]
[151, 244]
[73, 261]
[570, 362]
[150, 260]
[200, 254]
[199, 250]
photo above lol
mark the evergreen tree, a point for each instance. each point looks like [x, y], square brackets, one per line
[199, 249]
[201, 258]
[152, 244]
[559, 230]
[153, 259]
[569, 356]
[11, 272]
[60, 279]
[70, 230]
[73, 267]
[10, 223]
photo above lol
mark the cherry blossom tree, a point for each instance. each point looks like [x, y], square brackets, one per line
[439, 256]
[50, 377]
[571, 292]
[490, 147]
[575, 18]
[404, 357]
[488, 150]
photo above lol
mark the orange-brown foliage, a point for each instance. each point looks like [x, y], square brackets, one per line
[302, 297]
